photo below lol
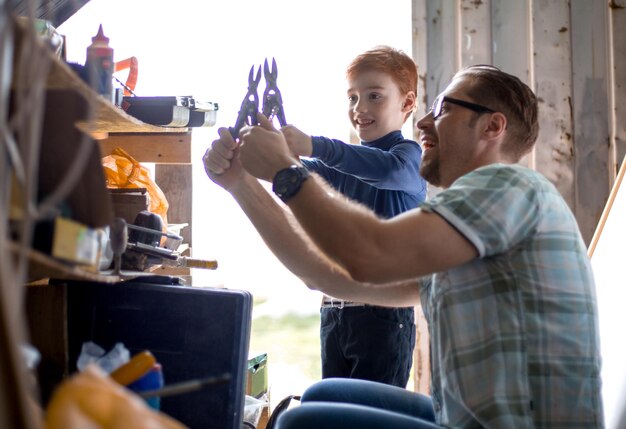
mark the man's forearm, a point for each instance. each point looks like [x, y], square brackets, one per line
[278, 228]
[344, 229]
[285, 238]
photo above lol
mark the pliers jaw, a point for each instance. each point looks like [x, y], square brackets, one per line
[272, 99]
[249, 106]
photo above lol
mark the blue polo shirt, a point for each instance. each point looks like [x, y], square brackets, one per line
[382, 174]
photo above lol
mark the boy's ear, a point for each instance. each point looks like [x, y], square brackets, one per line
[409, 102]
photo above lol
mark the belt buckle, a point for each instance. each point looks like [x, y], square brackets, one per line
[341, 302]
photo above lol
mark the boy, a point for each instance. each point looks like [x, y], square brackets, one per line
[357, 340]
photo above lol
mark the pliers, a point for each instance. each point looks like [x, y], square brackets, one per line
[272, 100]
[249, 106]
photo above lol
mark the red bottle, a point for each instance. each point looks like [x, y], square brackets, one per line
[100, 64]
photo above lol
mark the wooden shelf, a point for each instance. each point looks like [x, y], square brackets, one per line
[42, 266]
[170, 147]
[106, 118]
[158, 148]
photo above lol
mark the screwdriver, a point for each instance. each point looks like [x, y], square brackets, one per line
[186, 386]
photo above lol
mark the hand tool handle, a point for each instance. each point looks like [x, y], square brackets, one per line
[134, 369]
[198, 263]
[185, 386]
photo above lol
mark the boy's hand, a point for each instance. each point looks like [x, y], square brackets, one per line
[299, 143]
[264, 150]
[221, 160]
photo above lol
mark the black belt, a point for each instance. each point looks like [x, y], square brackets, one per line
[329, 302]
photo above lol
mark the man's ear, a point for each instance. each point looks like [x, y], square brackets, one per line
[496, 125]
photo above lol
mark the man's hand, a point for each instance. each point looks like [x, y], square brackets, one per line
[299, 143]
[264, 150]
[221, 161]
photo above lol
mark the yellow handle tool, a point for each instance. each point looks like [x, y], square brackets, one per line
[185, 261]
[200, 263]
[134, 369]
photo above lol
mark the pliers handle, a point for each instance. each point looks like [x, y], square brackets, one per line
[272, 100]
[249, 106]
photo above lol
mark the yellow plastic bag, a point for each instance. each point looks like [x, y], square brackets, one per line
[123, 171]
[92, 400]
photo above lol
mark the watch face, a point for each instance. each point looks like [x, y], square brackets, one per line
[284, 179]
[288, 181]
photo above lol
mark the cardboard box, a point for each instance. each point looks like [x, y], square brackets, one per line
[256, 382]
[76, 243]
[265, 416]
[69, 241]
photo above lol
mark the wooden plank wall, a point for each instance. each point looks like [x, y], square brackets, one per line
[572, 53]
[617, 95]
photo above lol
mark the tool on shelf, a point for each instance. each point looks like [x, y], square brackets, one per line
[172, 244]
[119, 242]
[144, 244]
[172, 258]
[132, 65]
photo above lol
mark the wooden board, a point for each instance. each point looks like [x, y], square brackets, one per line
[176, 183]
[64, 151]
[157, 148]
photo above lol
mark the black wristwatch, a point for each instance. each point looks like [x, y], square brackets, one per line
[287, 182]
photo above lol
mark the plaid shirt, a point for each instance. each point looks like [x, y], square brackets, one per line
[514, 333]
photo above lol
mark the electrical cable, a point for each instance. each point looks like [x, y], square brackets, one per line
[15, 388]
[32, 69]
[31, 72]
[29, 108]
[6, 53]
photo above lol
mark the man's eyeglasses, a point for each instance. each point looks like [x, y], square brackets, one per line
[437, 108]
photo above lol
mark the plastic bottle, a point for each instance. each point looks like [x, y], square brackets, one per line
[100, 64]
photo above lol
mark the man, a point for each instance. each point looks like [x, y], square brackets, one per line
[504, 277]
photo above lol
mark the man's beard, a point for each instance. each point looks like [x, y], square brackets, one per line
[430, 172]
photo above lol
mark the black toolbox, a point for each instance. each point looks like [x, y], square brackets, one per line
[194, 333]
[171, 111]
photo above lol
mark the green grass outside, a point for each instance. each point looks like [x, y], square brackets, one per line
[292, 339]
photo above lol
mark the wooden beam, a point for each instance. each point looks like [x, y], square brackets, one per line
[552, 53]
[475, 42]
[591, 94]
[176, 183]
[617, 46]
[170, 148]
